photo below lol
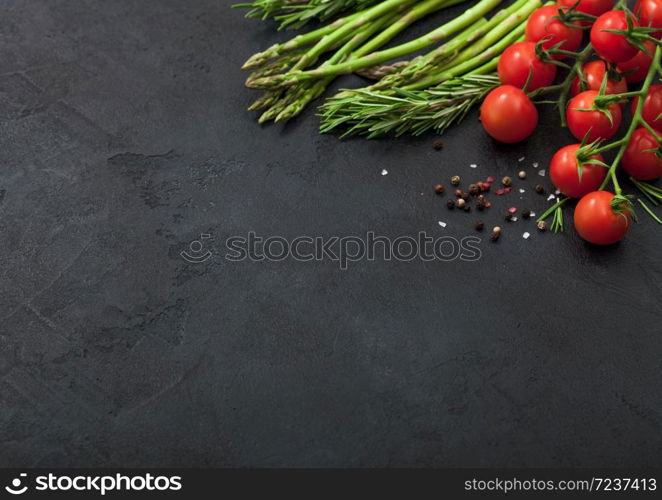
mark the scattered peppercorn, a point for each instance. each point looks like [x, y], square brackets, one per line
[439, 188]
[486, 186]
[508, 216]
[480, 205]
[474, 189]
[481, 197]
[459, 203]
[450, 203]
[490, 179]
[539, 189]
[458, 192]
[455, 180]
[438, 144]
[506, 181]
[522, 174]
[479, 225]
[526, 214]
[496, 232]
[512, 210]
[464, 195]
[481, 185]
[467, 208]
[542, 225]
[496, 229]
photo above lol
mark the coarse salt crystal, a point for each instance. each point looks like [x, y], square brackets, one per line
[526, 235]
[551, 197]
[521, 190]
[535, 164]
[384, 172]
[541, 173]
[514, 219]
[557, 191]
[442, 224]
[473, 165]
[522, 158]
[533, 214]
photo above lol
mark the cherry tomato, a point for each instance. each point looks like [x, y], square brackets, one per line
[596, 221]
[508, 115]
[518, 60]
[652, 107]
[594, 72]
[650, 15]
[593, 7]
[564, 172]
[580, 122]
[636, 69]
[638, 159]
[612, 47]
[542, 24]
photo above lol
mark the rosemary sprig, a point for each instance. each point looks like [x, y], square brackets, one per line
[293, 14]
[557, 211]
[373, 114]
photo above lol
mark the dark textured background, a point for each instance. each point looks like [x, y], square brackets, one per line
[124, 136]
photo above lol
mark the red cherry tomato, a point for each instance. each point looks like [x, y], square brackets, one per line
[652, 107]
[638, 159]
[593, 7]
[508, 115]
[594, 72]
[518, 60]
[542, 24]
[650, 15]
[636, 69]
[580, 122]
[596, 221]
[564, 172]
[612, 47]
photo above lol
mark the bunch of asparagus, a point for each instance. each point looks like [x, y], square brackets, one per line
[435, 90]
[428, 91]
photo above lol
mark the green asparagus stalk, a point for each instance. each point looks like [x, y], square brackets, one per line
[298, 42]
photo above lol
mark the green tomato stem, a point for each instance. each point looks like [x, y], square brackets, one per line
[636, 121]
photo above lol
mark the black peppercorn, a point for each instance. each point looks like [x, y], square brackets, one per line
[450, 203]
[539, 189]
[464, 195]
[438, 144]
[479, 225]
[467, 208]
[526, 214]
[439, 188]
[474, 189]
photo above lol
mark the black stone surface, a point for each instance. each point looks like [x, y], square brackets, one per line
[124, 137]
